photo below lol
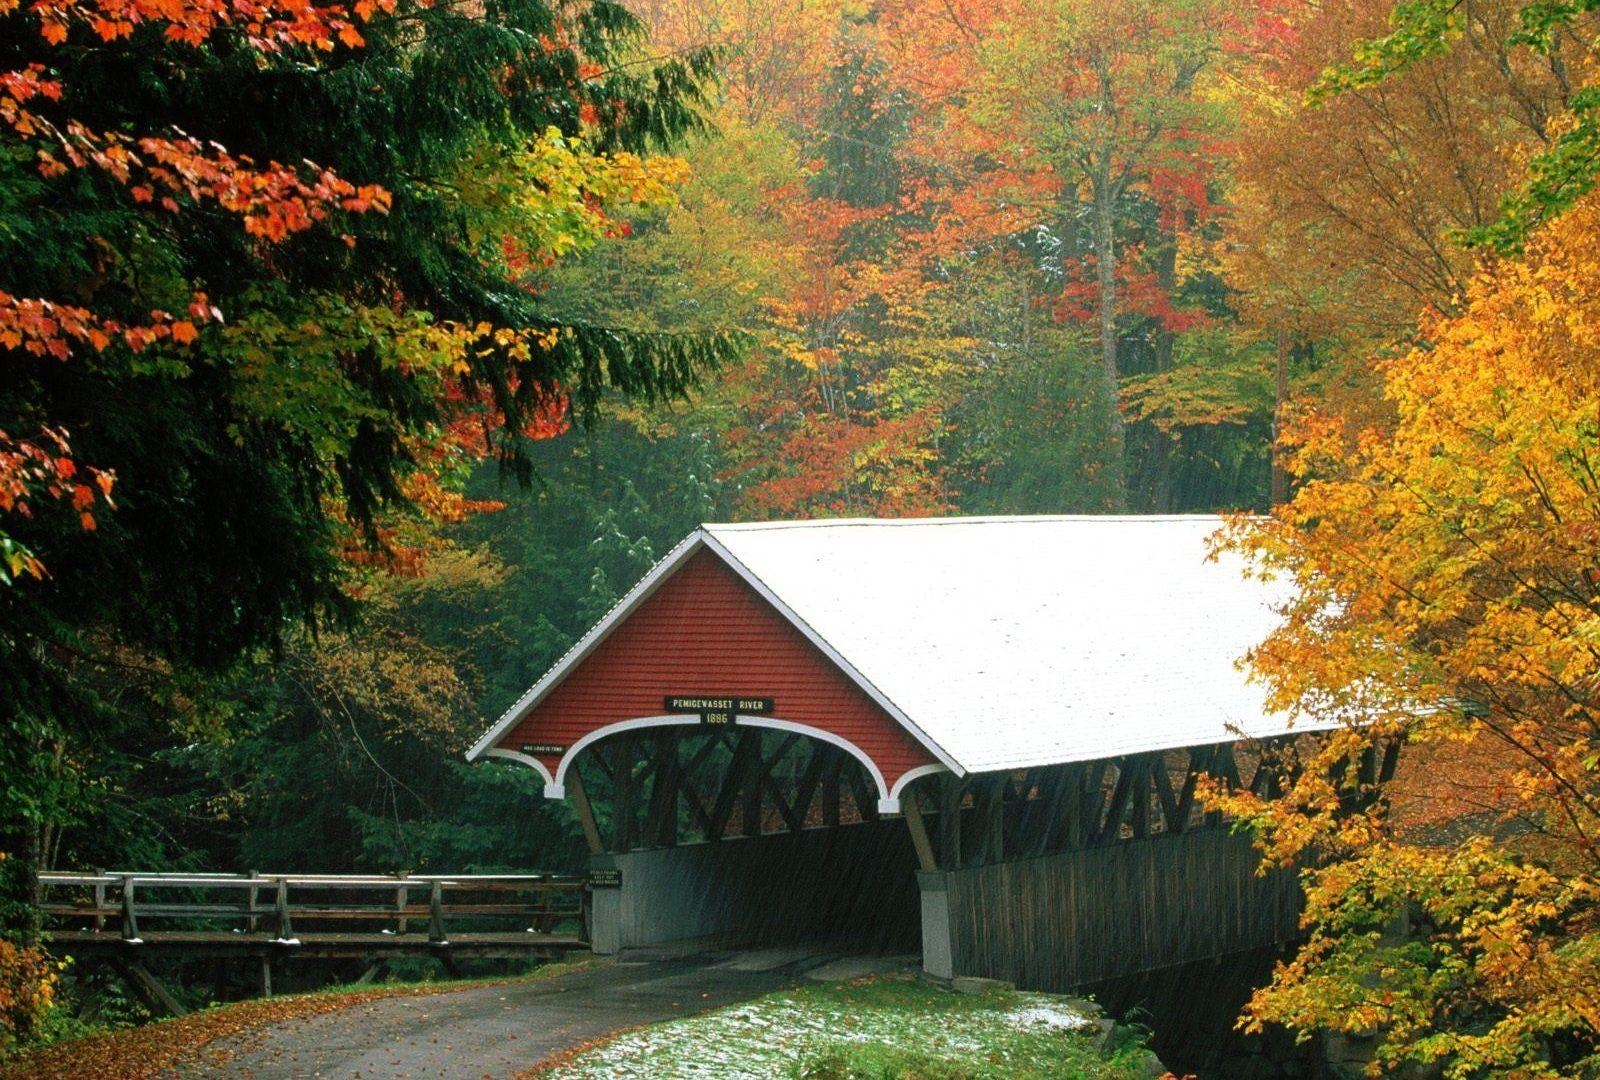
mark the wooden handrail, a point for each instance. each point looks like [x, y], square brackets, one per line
[539, 902]
[334, 881]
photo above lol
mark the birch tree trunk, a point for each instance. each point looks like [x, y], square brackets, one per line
[1160, 499]
[1280, 397]
[1105, 223]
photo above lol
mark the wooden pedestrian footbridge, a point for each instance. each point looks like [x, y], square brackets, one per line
[326, 915]
[125, 917]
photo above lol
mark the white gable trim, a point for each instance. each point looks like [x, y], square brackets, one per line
[586, 644]
[887, 803]
[513, 755]
[833, 654]
[912, 775]
[637, 595]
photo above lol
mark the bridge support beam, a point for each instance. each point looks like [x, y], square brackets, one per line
[938, 946]
[149, 989]
[605, 906]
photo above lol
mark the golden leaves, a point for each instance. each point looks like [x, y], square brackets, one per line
[558, 197]
[28, 979]
[1447, 592]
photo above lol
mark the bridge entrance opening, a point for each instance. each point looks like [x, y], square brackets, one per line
[743, 835]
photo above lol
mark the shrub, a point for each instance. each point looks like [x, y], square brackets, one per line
[27, 987]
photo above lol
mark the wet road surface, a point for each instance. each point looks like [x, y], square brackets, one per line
[499, 1031]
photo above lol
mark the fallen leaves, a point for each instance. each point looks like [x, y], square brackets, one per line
[146, 1051]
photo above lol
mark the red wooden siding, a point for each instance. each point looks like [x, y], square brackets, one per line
[706, 631]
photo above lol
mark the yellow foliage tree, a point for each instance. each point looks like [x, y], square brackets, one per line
[1449, 570]
[1347, 210]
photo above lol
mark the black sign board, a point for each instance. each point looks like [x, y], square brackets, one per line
[605, 879]
[549, 749]
[720, 709]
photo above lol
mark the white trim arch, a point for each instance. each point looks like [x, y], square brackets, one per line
[556, 787]
[887, 802]
[513, 755]
[910, 776]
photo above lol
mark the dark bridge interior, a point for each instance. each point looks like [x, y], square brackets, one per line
[749, 835]
[853, 886]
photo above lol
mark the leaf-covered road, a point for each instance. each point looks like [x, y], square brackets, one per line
[492, 1031]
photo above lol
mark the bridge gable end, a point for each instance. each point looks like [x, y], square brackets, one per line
[702, 631]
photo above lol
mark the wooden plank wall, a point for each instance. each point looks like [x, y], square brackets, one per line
[1064, 920]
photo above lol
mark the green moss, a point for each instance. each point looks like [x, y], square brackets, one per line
[882, 1029]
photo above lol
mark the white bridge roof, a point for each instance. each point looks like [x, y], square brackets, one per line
[1021, 641]
[1008, 642]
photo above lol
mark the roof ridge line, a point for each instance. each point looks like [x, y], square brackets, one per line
[974, 519]
[847, 667]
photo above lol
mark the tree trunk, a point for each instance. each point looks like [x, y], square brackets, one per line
[22, 873]
[1167, 282]
[1105, 223]
[1280, 397]
[1161, 446]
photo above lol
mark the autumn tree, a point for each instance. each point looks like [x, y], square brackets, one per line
[1064, 112]
[1122, 109]
[790, 229]
[910, 286]
[260, 361]
[1351, 208]
[775, 55]
[1447, 598]
[1552, 38]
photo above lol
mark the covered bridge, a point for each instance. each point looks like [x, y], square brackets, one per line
[977, 735]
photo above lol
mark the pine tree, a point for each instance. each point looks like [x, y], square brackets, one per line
[264, 270]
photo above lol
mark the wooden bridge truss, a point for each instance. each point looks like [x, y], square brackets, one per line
[672, 785]
[998, 817]
[667, 786]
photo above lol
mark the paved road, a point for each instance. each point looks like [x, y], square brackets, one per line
[498, 1031]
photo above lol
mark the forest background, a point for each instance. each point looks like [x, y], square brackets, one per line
[743, 259]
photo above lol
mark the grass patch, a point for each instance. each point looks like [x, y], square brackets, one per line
[873, 1029]
[141, 1052]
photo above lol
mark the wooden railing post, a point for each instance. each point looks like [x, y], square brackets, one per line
[130, 922]
[285, 930]
[540, 904]
[436, 912]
